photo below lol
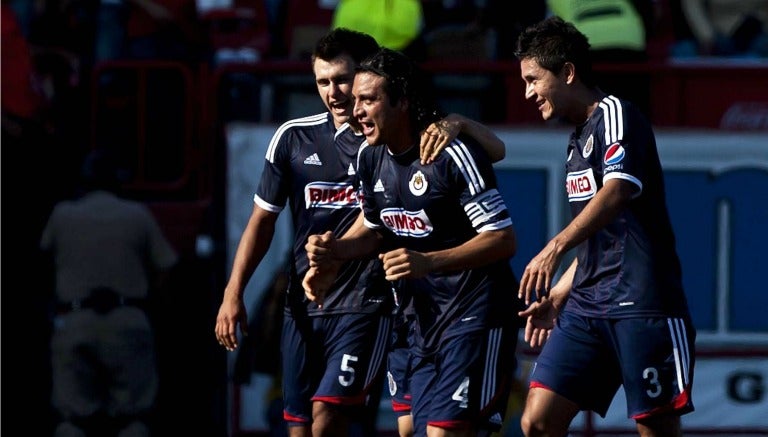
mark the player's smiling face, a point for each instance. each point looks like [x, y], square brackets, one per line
[543, 87]
[334, 84]
[381, 122]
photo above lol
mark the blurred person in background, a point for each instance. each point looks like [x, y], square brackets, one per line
[616, 29]
[109, 257]
[726, 28]
[476, 29]
[149, 29]
[395, 24]
[61, 34]
[22, 97]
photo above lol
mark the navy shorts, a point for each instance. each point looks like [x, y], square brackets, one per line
[587, 359]
[335, 359]
[399, 362]
[466, 383]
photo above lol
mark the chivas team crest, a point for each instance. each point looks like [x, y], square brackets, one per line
[418, 184]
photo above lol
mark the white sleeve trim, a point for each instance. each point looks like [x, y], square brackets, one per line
[626, 177]
[370, 225]
[263, 204]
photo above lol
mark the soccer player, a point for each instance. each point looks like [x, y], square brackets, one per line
[332, 356]
[446, 239]
[621, 314]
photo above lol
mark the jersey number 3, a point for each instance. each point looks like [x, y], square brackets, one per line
[651, 375]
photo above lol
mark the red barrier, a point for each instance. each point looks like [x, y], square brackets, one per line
[716, 94]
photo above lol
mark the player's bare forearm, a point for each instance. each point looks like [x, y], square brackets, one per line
[362, 245]
[490, 142]
[602, 209]
[436, 137]
[486, 247]
[253, 244]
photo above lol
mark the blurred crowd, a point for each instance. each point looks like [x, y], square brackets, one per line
[58, 42]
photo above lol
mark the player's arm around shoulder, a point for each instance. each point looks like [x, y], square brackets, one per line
[438, 135]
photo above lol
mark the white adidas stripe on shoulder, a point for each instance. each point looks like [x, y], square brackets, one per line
[613, 119]
[360, 151]
[466, 163]
[311, 120]
[341, 129]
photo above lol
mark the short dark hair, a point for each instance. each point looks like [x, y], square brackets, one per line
[552, 42]
[341, 41]
[404, 79]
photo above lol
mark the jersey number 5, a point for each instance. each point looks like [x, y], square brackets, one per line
[348, 377]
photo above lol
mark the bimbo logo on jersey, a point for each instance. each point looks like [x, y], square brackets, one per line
[329, 195]
[580, 185]
[406, 223]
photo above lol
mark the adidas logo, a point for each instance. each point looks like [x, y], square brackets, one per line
[379, 187]
[313, 160]
[351, 170]
[496, 419]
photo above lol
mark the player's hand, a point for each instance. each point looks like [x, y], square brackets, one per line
[540, 320]
[536, 280]
[231, 314]
[403, 263]
[317, 282]
[436, 137]
[320, 248]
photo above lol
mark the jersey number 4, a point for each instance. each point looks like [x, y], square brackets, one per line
[462, 393]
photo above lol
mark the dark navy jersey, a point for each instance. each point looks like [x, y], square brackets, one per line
[630, 267]
[311, 164]
[434, 207]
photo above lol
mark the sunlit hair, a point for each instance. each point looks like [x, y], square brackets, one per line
[553, 42]
[404, 80]
[341, 41]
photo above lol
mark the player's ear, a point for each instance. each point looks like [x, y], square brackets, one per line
[568, 72]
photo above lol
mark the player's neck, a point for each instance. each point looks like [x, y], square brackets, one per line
[583, 104]
[353, 124]
[401, 144]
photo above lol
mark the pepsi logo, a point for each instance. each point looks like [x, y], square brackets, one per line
[614, 154]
